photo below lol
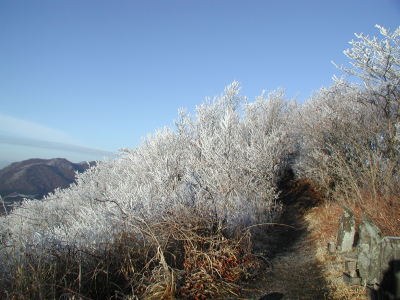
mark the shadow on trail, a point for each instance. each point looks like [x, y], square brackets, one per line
[296, 197]
[293, 270]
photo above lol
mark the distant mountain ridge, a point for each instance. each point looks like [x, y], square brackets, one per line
[37, 177]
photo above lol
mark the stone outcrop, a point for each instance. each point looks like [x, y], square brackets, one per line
[346, 231]
[390, 250]
[374, 261]
[369, 248]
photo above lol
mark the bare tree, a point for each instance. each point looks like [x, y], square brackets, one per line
[376, 62]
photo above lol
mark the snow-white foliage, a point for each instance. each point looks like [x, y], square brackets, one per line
[223, 163]
[349, 130]
[376, 62]
[339, 138]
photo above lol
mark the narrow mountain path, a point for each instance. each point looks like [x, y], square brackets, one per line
[293, 271]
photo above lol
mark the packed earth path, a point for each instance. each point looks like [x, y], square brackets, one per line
[292, 269]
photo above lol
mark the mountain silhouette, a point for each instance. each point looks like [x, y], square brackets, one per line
[34, 178]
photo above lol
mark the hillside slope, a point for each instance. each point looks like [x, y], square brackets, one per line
[38, 176]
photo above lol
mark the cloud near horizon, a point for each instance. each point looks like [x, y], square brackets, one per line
[52, 145]
[18, 127]
[19, 132]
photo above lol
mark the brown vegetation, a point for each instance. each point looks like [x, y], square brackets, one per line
[187, 259]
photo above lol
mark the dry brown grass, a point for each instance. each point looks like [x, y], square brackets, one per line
[180, 256]
[385, 211]
[209, 263]
[385, 214]
[323, 223]
[215, 266]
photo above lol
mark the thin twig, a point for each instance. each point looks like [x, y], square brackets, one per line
[278, 224]
[4, 205]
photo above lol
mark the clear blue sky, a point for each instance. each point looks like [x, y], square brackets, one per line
[78, 77]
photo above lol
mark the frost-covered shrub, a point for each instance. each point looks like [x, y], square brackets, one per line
[376, 63]
[222, 164]
[341, 144]
[236, 161]
[348, 131]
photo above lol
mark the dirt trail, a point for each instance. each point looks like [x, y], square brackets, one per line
[293, 272]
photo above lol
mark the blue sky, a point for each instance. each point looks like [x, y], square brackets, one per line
[82, 78]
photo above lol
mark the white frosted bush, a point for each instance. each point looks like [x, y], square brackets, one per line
[336, 137]
[223, 163]
[376, 63]
[348, 131]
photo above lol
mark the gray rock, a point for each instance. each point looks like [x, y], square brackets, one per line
[351, 268]
[351, 256]
[347, 278]
[331, 247]
[347, 230]
[368, 247]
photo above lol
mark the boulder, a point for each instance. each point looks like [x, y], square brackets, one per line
[347, 230]
[370, 237]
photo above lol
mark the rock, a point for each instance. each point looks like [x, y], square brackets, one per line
[347, 230]
[352, 256]
[331, 247]
[368, 247]
[351, 280]
[390, 251]
[351, 268]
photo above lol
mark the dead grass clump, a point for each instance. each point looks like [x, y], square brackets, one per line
[339, 290]
[162, 281]
[120, 268]
[215, 265]
[205, 261]
[385, 214]
[385, 211]
[323, 223]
